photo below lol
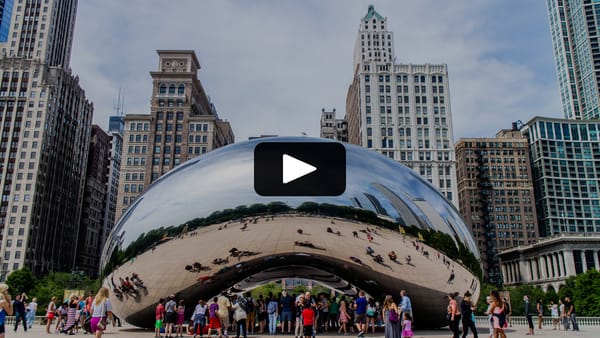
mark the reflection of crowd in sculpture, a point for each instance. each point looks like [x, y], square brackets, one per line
[128, 285]
[301, 315]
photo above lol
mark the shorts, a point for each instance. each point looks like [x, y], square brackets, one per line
[94, 324]
[170, 318]
[214, 323]
[158, 324]
[308, 330]
[286, 316]
[50, 315]
[262, 316]
[360, 318]
[224, 319]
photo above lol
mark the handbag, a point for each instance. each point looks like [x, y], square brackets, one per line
[393, 316]
[102, 324]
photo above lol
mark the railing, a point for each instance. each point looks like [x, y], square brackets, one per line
[522, 321]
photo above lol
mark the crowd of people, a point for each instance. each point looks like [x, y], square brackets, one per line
[89, 313]
[499, 311]
[302, 315]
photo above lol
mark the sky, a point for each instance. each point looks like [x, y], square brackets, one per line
[270, 66]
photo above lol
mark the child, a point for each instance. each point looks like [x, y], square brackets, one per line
[213, 319]
[308, 319]
[406, 326]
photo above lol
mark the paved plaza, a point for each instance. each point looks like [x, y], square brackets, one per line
[517, 332]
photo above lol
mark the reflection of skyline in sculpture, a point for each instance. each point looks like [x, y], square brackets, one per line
[203, 215]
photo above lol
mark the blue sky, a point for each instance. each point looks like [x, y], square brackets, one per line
[270, 66]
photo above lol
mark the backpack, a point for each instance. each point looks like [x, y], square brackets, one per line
[250, 305]
[272, 307]
[393, 316]
[243, 304]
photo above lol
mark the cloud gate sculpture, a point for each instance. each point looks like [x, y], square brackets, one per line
[201, 229]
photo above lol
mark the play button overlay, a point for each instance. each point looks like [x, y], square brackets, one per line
[293, 168]
[299, 169]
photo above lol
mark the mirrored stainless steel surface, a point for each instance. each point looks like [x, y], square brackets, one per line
[201, 229]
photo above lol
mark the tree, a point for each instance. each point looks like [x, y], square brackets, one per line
[20, 281]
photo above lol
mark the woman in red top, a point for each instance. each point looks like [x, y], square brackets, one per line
[308, 319]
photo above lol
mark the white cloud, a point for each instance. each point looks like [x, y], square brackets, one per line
[270, 66]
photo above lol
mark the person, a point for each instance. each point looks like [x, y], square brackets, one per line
[6, 308]
[262, 314]
[540, 311]
[554, 314]
[407, 326]
[101, 309]
[63, 311]
[239, 316]
[308, 320]
[488, 301]
[19, 311]
[570, 313]
[323, 307]
[344, 316]
[31, 309]
[371, 314]
[563, 316]
[251, 314]
[50, 311]
[389, 313]
[467, 309]
[405, 303]
[223, 313]
[334, 313]
[299, 329]
[160, 316]
[213, 317]
[498, 314]
[360, 313]
[199, 317]
[508, 309]
[71, 314]
[528, 314]
[272, 310]
[453, 314]
[170, 315]
[286, 302]
[309, 300]
[180, 318]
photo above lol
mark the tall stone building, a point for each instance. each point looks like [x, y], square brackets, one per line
[46, 121]
[565, 157]
[495, 193]
[183, 123]
[94, 203]
[401, 110]
[332, 127]
[574, 28]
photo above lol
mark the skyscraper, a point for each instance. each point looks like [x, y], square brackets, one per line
[401, 110]
[574, 28]
[183, 123]
[495, 193]
[92, 217]
[566, 172]
[46, 121]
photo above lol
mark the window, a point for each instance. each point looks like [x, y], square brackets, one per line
[181, 89]
[162, 89]
[172, 89]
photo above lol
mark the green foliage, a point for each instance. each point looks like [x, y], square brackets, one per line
[586, 293]
[264, 290]
[20, 281]
[584, 290]
[54, 285]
